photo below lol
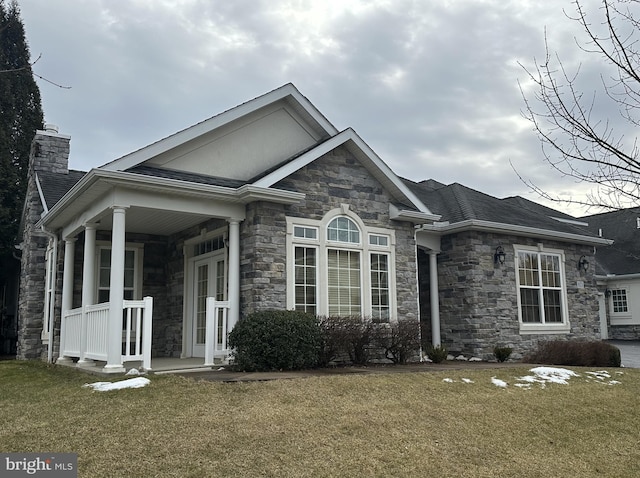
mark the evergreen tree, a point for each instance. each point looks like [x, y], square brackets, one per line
[20, 116]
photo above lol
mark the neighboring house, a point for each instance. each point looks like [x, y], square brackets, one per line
[618, 271]
[267, 205]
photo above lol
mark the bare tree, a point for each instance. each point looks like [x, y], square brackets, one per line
[576, 140]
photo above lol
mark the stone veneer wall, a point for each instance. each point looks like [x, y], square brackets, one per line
[336, 178]
[49, 152]
[624, 332]
[478, 299]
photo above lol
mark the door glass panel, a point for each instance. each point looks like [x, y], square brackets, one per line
[202, 289]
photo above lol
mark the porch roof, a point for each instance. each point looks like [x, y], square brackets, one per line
[156, 205]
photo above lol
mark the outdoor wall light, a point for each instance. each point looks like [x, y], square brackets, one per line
[499, 256]
[583, 264]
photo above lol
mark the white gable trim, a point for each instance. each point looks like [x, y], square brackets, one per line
[41, 194]
[367, 157]
[287, 91]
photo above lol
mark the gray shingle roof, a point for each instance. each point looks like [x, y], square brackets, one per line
[623, 256]
[56, 185]
[457, 203]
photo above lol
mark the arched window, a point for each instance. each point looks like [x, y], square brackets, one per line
[343, 229]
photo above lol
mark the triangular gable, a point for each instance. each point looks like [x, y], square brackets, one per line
[367, 157]
[241, 142]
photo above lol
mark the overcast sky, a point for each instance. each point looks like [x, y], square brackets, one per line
[430, 85]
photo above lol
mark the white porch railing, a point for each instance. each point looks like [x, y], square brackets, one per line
[136, 331]
[217, 330]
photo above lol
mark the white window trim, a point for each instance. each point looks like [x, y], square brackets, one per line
[323, 245]
[138, 249]
[546, 328]
[49, 292]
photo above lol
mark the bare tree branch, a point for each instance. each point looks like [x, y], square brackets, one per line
[576, 142]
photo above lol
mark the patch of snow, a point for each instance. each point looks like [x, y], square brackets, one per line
[600, 375]
[498, 383]
[475, 359]
[450, 357]
[448, 380]
[523, 385]
[467, 380]
[554, 374]
[133, 371]
[461, 358]
[220, 369]
[137, 382]
[614, 382]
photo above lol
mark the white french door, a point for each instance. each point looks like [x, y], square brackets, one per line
[208, 279]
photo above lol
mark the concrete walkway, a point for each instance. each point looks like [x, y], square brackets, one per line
[630, 351]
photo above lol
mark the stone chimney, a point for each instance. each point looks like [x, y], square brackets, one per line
[50, 151]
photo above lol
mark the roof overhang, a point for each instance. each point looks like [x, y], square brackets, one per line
[616, 277]
[184, 203]
[525, 231]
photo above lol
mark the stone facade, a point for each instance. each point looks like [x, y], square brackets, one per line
[624, 332]
[49, 153]
[478, 299]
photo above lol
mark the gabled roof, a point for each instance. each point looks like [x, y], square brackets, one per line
[623, 257]
[287, 93]
[462, 207]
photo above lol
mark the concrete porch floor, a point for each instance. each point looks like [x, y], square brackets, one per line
[159, 365]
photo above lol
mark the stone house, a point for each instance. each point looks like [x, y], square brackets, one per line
[267, 205]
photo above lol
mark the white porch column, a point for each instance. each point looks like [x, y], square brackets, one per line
[434, 299]
[88, 287]
[67, 293]
[234, 272]
[116, 293]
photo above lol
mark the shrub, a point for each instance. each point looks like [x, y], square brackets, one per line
[400, 340]
[502, 353]
[437, 354]
[350, 335]
[583, 353]
[276, 340]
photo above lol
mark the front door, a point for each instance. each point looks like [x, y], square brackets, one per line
[208, 280]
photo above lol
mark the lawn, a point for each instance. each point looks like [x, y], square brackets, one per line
[413, 424]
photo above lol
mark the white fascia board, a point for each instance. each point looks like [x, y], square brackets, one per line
[242, 195]
[137, 157]
[575, 222]
[417, 217]
[342, 138]
[615, 277]
[489, 226]
[41, 194]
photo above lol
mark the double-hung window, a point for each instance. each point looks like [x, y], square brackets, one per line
[339, 267]
[541, 291]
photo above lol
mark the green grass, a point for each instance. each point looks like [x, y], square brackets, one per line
[411, 424]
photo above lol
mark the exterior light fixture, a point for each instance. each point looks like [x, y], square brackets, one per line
[499, 256]
[583, 264]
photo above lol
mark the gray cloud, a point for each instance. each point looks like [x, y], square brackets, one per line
[431, 86]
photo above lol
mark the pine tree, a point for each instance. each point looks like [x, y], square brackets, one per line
[20, 116]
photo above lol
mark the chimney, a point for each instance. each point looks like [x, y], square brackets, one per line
[50, 151]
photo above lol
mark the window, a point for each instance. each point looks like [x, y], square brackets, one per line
[541, 292]
[132, 273]
[619, 303]
[380, 287]
[332, 271]
[305, 279]
[345, 296]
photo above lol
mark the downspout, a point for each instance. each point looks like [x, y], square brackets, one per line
[52, 301]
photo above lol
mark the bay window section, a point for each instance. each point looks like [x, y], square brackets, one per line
[132, 271]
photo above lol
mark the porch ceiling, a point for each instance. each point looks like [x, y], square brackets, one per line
[152, 221]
